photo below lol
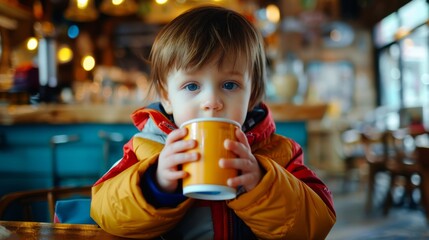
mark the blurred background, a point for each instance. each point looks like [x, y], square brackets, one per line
[72, 71]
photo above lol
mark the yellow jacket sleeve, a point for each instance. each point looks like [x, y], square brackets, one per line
[119, 207]
[283, 207]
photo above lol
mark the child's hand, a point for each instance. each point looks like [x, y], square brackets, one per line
[245, 162]
[173, 155]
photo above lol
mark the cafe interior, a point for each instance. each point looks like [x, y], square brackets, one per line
[347, 79]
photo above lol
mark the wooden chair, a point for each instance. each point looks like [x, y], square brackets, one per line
[401, 166]
[349, 148]
[422, 153]
[376, 155]
[30, 202]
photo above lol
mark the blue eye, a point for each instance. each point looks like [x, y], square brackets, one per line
[192, 87]
[230, 85]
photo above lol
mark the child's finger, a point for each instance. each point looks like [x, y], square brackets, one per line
[176, 135]
[241, 137]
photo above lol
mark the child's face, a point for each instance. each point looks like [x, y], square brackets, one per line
[212, 91]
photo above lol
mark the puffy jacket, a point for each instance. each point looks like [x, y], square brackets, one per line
[290, 201]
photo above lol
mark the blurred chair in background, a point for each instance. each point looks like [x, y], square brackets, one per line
[376, 155]
[110, 138]
[422, 153]
[403, 170]
[394, 153]
[54, 143]
[71, 167]
[350, 150]
[38, 205]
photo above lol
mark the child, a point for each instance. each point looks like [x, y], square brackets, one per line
[210, 62]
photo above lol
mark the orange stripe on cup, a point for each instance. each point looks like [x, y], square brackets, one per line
[206, 179]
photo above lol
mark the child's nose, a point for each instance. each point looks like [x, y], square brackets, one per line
[212, 103]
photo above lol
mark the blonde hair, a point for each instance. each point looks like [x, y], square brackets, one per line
[201, 35]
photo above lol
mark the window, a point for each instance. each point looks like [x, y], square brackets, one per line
[403, 56]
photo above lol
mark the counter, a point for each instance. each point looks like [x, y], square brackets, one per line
[105, 114]
[66, 114]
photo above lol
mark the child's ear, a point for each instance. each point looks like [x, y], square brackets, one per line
[167, 105]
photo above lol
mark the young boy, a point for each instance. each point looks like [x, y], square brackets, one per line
[210, 62]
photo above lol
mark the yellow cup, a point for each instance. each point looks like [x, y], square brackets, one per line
[206, 179]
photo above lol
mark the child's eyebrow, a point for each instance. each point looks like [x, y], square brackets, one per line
[233, 72]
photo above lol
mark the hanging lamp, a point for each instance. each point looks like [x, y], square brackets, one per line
[81, 11]
[118, 7]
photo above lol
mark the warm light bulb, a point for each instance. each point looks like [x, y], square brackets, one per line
[65, 54]
[82, 4]
[117, 2]
[273, 13]
[88, 62]
[160, 2]
[32, 43]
